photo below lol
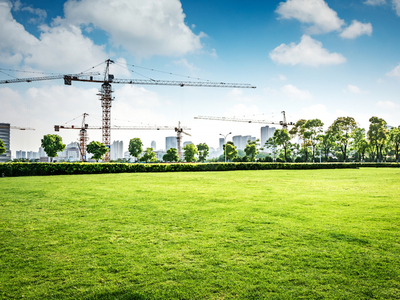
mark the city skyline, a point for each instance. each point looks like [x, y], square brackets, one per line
[310, 58]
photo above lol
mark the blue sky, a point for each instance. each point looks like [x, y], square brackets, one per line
[310, 58]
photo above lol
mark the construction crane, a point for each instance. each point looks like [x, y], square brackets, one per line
[21, 128]
[283, 123]
[105, 93]
[67, 78]
[179, 131]
[83, 136]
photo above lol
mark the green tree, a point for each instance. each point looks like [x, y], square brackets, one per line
[282, 139]
[190, 152]
[231, 151]
[299, 130]
[312, 129]
[327, 142]
[52, 143]
[360, 144]
[341, 129]
[377, 135]
[171, 155]
[251, 149]
[394, 138]
[2, 147]
[203, 151]
[273, 146]
[148, 155]
[97, 149]
[135, 147]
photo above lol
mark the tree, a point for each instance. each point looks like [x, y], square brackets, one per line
[171, 155]
[299, 130]
[251, 149]
[135, 147]
[394, 138]
[341, 129]
[312, 128]
[148, 155]
[327, 142]
[271, 144]
[203, 151]
[377, 135]
[97, 149]
[190, 152]
[2, 147]
[282, 138]
[52, 143]
[231, 151]
[360, 144]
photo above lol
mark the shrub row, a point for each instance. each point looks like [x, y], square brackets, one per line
[34, 169]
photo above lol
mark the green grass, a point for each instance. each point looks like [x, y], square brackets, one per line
[313, 234]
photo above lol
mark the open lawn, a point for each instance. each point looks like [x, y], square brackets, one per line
[282, 234]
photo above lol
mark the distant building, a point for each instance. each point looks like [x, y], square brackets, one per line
[153, 145]
[70, 153]
[171, 142]
[221, 144]
[5, 137]
[117, 150]
[241, 141]
[266, 133]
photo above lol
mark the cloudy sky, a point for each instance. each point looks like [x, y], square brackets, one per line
[310, 58]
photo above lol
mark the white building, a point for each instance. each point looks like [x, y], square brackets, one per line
[117, 148]
[5, 137]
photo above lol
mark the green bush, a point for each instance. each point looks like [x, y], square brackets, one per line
[34, 169]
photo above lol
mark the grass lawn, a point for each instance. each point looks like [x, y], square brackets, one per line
[282, 234]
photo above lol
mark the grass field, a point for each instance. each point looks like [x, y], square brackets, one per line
[314, 234]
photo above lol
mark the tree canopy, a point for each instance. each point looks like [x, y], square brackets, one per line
[97, 149]
[377, 135]
[2, 147]
[171, 155]
[135, 147]
[190, 152]
[282, 138]
[203, 151]
[230, 150]
[251, 149]
[394, 138]
[52, 143]
[341, 129]
[148, 155]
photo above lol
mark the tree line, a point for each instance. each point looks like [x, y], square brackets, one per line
[343, 141]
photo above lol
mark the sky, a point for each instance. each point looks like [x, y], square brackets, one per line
[309, 58]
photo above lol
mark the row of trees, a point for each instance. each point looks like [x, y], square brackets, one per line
[342, 139]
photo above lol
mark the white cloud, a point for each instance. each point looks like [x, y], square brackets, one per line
[146, 28]
[183, 62]
[59, 48]
[355, 89]
[315, 12]
[282, 77]
[356, 29]
[395, 72]
[308, 52]
[40, 13]
[375, 2]
[387, 104]
[294, 93]
[396, 6]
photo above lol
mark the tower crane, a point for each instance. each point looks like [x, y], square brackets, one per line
[105, 93]
[83, 136]
[179, 131]
[283, 123]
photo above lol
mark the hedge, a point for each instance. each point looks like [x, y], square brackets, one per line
[35, 169]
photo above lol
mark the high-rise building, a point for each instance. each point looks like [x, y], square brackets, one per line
[266, 133]
[171, 142]
[241, 141]
[221, 144]
[117, 150]
[153, 145]
[5, 137]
